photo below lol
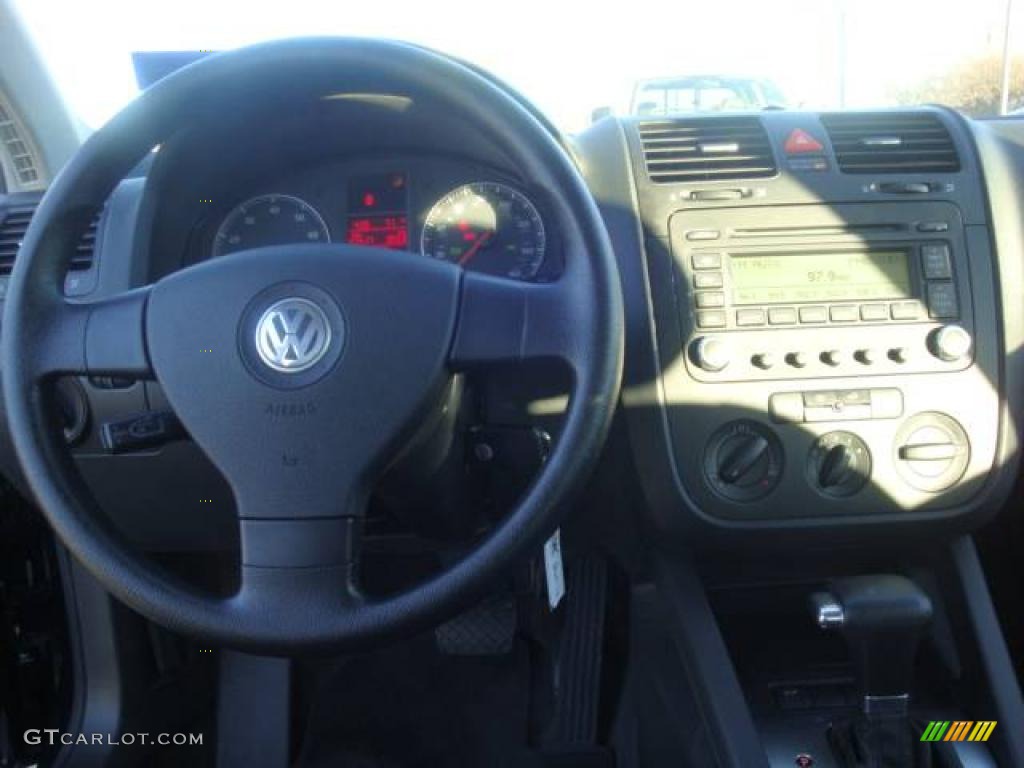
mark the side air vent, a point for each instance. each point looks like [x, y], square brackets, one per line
[17, 148]
[706, 149]
[891, 142]
[13, 226]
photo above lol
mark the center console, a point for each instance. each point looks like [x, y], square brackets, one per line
[830, 360]
[822, 383]
[825, 331]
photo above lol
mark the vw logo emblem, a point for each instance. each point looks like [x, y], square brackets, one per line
[292, 335]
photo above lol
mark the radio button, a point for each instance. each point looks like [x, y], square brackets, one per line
[763, 360]
[813, 315]
[706, 260]
[707, 280]
[831, 357]
[874, 312]
[797, 359]
[707, 299]
[905, 310]
[933, 226]
[781, 315]
[702, 234]
[711, 318]
[749, 317]
[822, 398]
[854, 396]
[935, 261]
[942, 300]
[844, 313]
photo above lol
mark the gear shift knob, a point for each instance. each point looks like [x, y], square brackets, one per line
[882, 618]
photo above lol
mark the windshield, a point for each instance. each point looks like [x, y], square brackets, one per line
[578, 61]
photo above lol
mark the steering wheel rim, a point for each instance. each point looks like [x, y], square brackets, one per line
[297, 588]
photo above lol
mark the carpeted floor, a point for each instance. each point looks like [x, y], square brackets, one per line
[413, 707]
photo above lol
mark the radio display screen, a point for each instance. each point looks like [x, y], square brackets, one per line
[789, 278]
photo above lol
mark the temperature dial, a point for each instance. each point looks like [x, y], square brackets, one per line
[743, 461]
[839, 464]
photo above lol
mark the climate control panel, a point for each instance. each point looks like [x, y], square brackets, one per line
[745, 460]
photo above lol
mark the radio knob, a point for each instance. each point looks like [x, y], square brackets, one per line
[797, 359]
[763, 360]
[831, 357]
[711, 354]
[899, 354]
[950, 343]
[865, 356]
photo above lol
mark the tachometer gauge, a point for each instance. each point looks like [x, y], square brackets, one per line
[487, 227]
[269, 220]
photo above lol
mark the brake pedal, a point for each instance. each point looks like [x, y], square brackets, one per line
[488, 629]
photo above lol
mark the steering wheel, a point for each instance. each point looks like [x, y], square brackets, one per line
[300, 370]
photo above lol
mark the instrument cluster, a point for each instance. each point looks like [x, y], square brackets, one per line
[453, 211]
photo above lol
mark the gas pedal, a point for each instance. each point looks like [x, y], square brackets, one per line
[574, 721]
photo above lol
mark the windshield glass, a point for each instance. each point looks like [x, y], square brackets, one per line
[577, 61]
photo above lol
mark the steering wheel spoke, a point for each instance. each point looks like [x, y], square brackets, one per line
[106, 337]
[313, 561]
[502, 321]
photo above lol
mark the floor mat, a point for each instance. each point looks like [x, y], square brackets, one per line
[412, 707]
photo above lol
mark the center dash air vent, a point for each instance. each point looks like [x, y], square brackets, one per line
[706, 149]
[15, 223]
[891, 142]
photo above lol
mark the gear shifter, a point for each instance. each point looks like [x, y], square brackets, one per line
[882, 618]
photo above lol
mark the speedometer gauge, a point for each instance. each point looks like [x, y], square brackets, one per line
[487, 227]
[269, 220]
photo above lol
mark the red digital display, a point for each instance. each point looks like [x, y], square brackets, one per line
[388, 231]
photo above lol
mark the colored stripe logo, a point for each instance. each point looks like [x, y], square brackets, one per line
[958, 730]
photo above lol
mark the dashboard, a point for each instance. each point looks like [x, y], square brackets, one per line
[822, 336]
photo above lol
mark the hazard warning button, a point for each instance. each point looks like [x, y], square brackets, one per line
[800, 142]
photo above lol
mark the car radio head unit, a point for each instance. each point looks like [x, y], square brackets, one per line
[796, 299]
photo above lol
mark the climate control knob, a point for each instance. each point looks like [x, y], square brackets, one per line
[839, 464]
[950, 343]
[743, 461]
[711, 353]
[932, 451]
